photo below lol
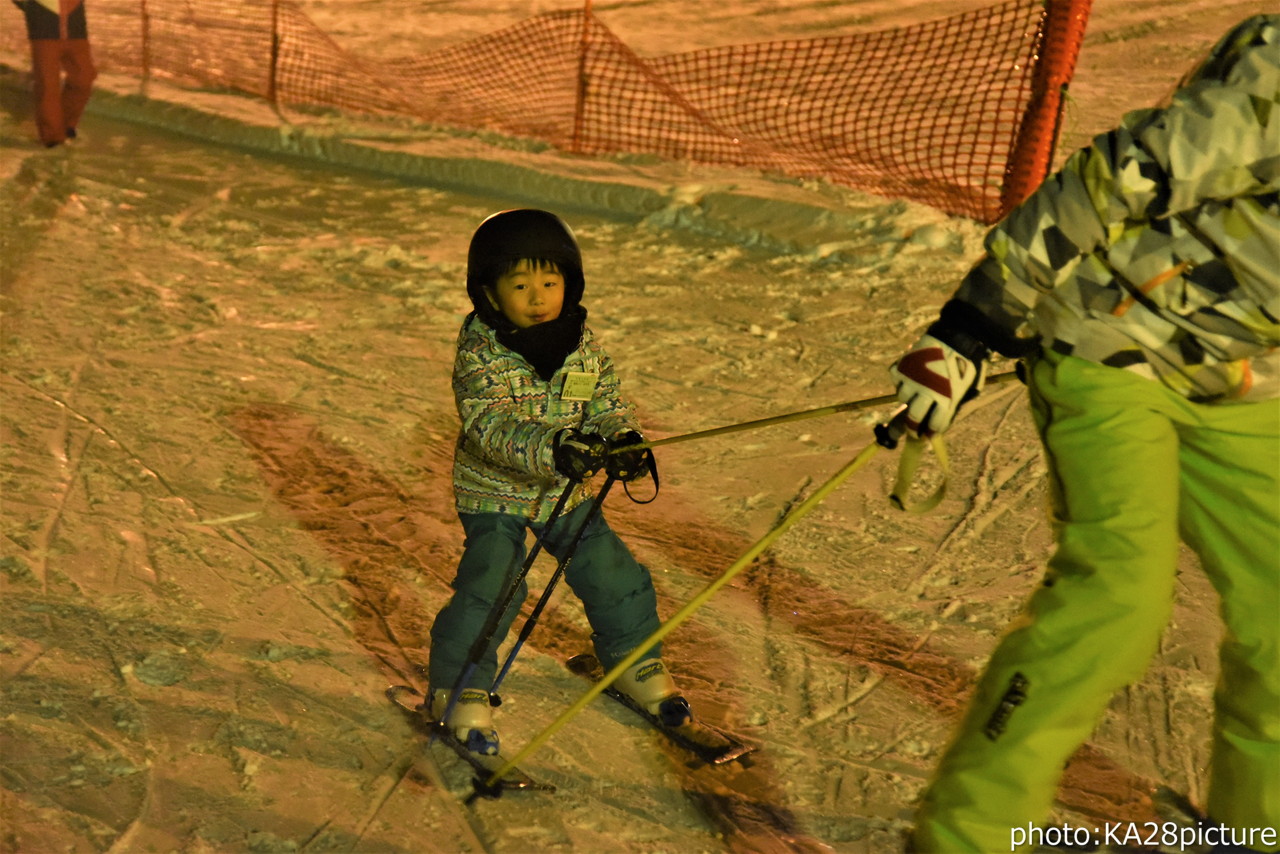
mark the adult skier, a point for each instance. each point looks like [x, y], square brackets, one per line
[1142, 285]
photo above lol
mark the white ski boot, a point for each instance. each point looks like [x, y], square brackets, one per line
[471, 720]
[651, 687]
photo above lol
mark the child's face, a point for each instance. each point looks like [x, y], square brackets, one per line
[529, 294]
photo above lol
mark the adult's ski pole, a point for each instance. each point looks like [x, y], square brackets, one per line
[561, 568]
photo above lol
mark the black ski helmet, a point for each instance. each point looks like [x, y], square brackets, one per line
[509, 236]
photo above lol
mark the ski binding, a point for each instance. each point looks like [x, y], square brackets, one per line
[485, 764]
[710, 744]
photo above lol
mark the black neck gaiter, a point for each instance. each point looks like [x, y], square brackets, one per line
[545, 345]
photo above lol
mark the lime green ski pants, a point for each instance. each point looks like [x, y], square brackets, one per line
[1133, 467]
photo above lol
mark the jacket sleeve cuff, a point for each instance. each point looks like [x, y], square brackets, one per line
[974, 335]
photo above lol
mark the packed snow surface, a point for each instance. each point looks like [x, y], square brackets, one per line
[227, 432]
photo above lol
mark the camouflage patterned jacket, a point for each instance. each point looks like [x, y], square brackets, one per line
[1157, 248]
[510, 417]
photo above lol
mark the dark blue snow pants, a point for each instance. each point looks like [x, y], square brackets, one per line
[616, 591]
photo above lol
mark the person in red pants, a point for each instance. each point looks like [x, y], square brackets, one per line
[59, 45]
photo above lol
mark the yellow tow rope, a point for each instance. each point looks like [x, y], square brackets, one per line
[798, 512]
[908, 464]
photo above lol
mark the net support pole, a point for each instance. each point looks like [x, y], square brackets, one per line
[144, 16]
[1061, 35]
[273, 95]
[580, 99]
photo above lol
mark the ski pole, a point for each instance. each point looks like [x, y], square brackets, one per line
[561, 568]
[796, 513]
[852, 406]
[495, 616]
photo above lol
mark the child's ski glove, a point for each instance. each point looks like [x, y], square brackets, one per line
[934, 380]
[628, 465]
[579, 455]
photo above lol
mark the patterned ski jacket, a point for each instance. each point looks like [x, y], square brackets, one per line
[510, 417]
[1157, 248]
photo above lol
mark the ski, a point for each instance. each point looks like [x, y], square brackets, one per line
[412, 700]
[710, 744]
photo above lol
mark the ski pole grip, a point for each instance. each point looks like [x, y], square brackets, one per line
[888, 435]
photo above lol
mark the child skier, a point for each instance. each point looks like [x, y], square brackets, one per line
[541, 410]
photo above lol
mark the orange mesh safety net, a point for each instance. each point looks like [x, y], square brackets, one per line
[959, 113]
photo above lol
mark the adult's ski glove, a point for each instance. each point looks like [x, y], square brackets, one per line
[579, 455]
[627, 465]
[934, 380]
